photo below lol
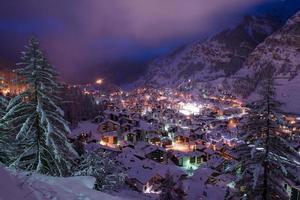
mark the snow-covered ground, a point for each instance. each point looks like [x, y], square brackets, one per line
[25, 186]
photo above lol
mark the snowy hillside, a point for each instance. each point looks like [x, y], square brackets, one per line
[236, 60]
[39, 187]
[278, 54]
[219, 56]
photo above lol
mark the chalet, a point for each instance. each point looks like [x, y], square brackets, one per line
[186, 122]
[205, 175]
[223, 180]
[126, 127]
[148, 184]
[181, 138]
[99, 119]
[130, 136]
[188, 159]
[197, 135]
[112, 115]
[112, 107]
[156, 114]
[209, 153]
[86, 132]
[155, 153]
[217, 163]
[143, 174]
[84, 137]
[140, 134]
[165, 142]
[109, 139]
[154, 139]
[108, 125]
[10, 86]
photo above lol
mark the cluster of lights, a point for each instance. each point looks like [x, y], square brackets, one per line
[190, 108]
[182, 147]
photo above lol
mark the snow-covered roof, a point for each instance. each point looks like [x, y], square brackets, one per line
[147, 126]
[144, 169]
[215, 161]
[180, 154]
[150, 148]
[111, 133]
[86, 127]
[109, 120]
[108, 112]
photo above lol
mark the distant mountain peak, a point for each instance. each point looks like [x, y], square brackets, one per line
[219, 56]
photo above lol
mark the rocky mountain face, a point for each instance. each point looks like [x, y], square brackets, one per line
[279, 55]
[220, 56]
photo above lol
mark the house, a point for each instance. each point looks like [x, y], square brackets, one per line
[130, 136]
[188, 160]
[146, 185]
[108, 126]
[140, 134]
[182, 137]
[126, 127]
[112, 115]
[154, 139]
[166, 142]
[143, 174]
[205, 175]
[86, 132]
[109, 139]
[217, 163]
[155, 153]
[112, 107]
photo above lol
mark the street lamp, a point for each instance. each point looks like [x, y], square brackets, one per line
[99, 81]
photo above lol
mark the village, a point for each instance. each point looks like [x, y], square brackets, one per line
[155, 132]
[158, 131]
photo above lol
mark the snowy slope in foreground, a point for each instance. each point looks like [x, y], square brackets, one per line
[39, 187]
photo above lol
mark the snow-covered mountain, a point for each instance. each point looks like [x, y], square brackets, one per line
[219, 56]
[278, 54]
[237, 60]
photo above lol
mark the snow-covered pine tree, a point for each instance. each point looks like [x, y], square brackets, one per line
[36, 119]
[3, 136]
[103, 167]
[266, 160]
[3, 100]
[170, 190]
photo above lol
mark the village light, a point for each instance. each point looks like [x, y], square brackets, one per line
[190, 109]
[99, 81]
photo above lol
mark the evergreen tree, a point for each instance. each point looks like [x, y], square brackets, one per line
[103, 167]
[4, 153]
[36, 120]
[169, 190]
[74, 98]
[3, 100]
[266, 159]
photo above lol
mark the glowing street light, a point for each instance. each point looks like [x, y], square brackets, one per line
[99, 81]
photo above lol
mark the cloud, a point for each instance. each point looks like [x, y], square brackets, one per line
[79, 35]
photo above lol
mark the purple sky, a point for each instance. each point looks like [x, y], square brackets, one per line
[89, 38]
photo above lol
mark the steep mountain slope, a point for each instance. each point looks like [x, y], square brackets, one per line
[279, 54]
[219, 56]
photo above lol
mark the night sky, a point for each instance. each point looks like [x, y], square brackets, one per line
[113, 39]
